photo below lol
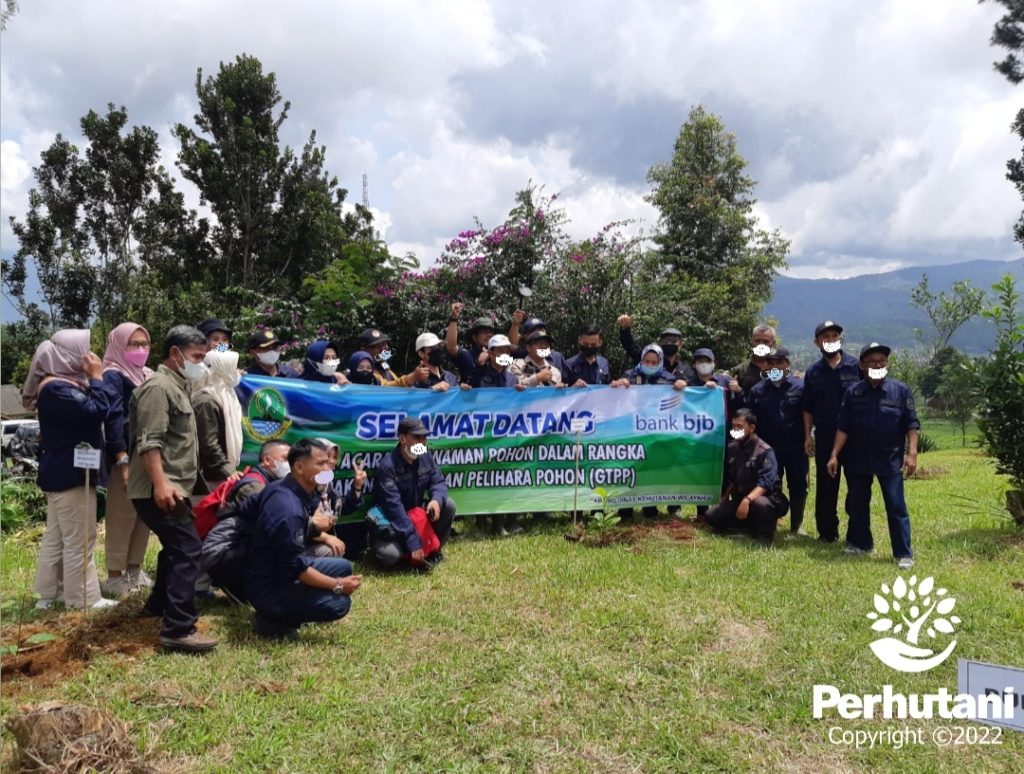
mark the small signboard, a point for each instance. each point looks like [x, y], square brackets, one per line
[980, 679]
[578, 425]
[87, 457]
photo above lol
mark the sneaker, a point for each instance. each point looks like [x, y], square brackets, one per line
[103, 603]
[189, 643]
[118, 586]
[905, 563]
[854, 551]
[140, 580]
[45, 604]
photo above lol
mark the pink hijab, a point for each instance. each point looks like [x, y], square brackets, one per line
[60, 357]
[117, 345]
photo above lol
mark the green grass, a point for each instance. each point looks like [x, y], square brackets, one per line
[536, 654]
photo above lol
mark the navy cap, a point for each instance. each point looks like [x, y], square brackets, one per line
[211, 324]
[704, 352]
[263, 339]
[828, 325]
[372, 336]
[671, 332]
[874, 346]
[539, 336]
[779, 353]
[412, 426]
[532, 324]
[482, 322]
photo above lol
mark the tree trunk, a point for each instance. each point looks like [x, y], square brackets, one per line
[1015, 505]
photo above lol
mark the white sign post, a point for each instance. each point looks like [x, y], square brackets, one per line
[577, 426]
[88, 459]
[980, 679]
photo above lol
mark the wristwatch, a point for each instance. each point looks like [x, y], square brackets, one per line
[338, 590]
[121, 461]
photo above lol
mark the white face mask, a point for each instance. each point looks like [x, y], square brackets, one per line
[761, 350]
[503, 360]
[324, 477]
[877, 373]
[418, 449]
[543, 353]
[222, 347]
[704, 369]
[831, 347]
[384, 356]
[269, 358]
[280, 470]
[193, 372]
[737, 435]
[328, 367]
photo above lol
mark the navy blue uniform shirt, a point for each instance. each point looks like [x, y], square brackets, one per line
[636, 376]
[284, 371]
[779, 412]
[445, 376]
[824, 387]
[69, 415]
[577, 367]
[115, 429]
[490, 377]
[400, 486]
[876, 421]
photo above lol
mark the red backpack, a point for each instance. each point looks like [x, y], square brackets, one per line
[207, 509]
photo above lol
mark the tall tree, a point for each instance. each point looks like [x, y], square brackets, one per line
[709, 244]
[946, 312]
[1009, 34]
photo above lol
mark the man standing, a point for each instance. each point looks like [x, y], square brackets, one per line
[286, 585]
[587, 367]
[467, 361]
[408, 478]
[761, 343]
[265, 351]
[777, 401]
[670, 339]
[496, 369]
[825, 383]
[876, 417]
[429, 375]
[162, 472]
[537, 369]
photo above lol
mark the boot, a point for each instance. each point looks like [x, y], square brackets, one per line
[481, 524]
[796, 513]
[512, 524]
[498, 526]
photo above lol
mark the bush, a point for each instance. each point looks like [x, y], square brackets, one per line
[21, 503]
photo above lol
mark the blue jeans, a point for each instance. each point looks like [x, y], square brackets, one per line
[305, 604]
[858, 508]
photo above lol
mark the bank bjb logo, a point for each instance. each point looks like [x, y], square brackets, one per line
[267, 416]
[910, 612]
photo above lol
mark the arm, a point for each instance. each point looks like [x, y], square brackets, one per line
[165, 494]
[837, 448]
[808, 423]
[513, 329]
[115, 429]
[72, 405]
[389, 498]
[318, 580]
[629, 343]
[213, 459]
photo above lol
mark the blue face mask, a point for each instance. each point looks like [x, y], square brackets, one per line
[222, 347]
[649, 370]
[775, 374]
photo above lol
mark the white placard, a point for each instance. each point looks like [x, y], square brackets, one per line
[87, 457]
[978, 678]
[578, 425]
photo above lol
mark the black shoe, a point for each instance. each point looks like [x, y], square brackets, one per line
[273, 629]
[512, 524]
[435, 559]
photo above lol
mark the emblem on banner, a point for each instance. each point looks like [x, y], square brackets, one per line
[267, 415]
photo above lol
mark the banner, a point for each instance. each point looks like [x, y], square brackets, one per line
[504, 451]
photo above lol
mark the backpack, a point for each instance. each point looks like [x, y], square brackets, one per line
[209, 508]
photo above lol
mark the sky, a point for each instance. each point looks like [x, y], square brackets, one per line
[877, 130]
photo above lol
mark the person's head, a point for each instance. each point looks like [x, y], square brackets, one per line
[223, 367]
[218, 335]
[333, 451]
[274, 458]
[704, 362]
[127, 351]
[670, 339]
[482, 330]
[377, 343]
[777, 365]
[184, 350]
[322, 358]
[828, 337]
[589, 340]
[429, 349]
[652, 360]
[307, 458]
[874, 361]
[500, 350]
[538, 345]
[744, 425]
[531, 324]
[762, 341]
[265, 347]
[360, 368]
[61, 356]
[412, 437]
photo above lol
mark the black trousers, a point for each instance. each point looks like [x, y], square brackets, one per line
[388, 551]
[177, 567]
[761, 516]
[826, 491]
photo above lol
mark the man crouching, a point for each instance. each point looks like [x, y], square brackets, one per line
[287, 586]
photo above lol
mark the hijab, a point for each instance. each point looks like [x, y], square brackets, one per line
[220, 383]
[59, 357]
[117, 346]
[315, 356]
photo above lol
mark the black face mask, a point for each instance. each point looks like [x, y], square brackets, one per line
[589, 351]
[435, 356]
[670, 350]
[362, 377]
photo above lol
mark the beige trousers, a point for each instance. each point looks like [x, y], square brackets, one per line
[126, 537]
[66, 552]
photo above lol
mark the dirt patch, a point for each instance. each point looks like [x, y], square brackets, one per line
[745, 638]
[1019, 585]
[630, 534]
[927, 474]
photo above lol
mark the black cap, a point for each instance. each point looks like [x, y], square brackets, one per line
[532, 324]
[263, 339]
[779, 353]
[372, 336]
[482, 322]
[671, 332]
[874, 346]
[211, 324]
[828, 325]
[539, 336]
[704, 352]
[412, 426]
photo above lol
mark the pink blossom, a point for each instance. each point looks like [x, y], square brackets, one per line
[577, 257]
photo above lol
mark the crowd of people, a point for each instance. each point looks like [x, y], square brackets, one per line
[172, 445]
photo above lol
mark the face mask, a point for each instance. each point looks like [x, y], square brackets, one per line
[831, 347]
[877, 373]
[324, 477]
[193, 372]
[589, 351]
[222, 347]
[737, 435]
[328, 367]
[649, 370]
[362, 377]
[137, 357]
[435, 357]
[384, 356]
[269, 358]
[761, 350]
[280, 470]
[775, 374]
[418, 449]
[669, 349]
[704, 369]
[503, 360]
[543, 354]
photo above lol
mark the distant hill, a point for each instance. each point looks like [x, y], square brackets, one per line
[876, 307]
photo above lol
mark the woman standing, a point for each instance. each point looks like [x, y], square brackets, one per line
[219, 419]
[65, 386]
[322, 363]
[126, 537]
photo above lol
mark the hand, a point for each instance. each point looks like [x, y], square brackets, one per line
[734, 385]
[679, 384]
[909, 464]
[336, 545]
[421, 374]
[124, 473]
[580, 383]
[520, 388]
[624, 321]
[620, 383]
[710, 383]
[518, 316]
[434, 510]
[743, 510]
[235, 476]
[323, 521]
[809, 446]
[483, 357]
[544, 374]
[457, 308]
[340, 378]
[351, 583]
[416, 557]
[166, 496]
[359, 476]
[465, 386]
[92, 366]
[832, 466]
[441, 387]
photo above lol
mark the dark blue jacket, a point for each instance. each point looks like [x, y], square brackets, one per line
[824, 388]
[465, 362]
[68, 416]
[749, 465]
[636, 376]
[733, 400]
[577, 367]
[446, 376]
[779, 411]
[400, 486]
[489, 377]
[115, 429]
[680, 370]
[284, 371]
[876, 421]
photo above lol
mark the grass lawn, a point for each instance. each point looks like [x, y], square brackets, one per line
[537, 654]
